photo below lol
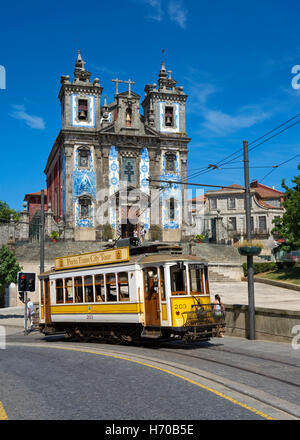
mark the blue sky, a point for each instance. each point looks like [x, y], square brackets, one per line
[233, 58]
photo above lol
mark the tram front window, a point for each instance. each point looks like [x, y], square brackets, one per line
[196, 279]
[178, 280]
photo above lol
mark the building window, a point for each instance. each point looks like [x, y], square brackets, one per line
[213, 203]
[84, 207]
[172, 209]
[82, 109]
[83, 158]
[232, 223]
[231, 203]
[262, 223]
[170, 163]
[169, 116]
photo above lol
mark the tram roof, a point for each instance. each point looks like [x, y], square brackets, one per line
[133, 260]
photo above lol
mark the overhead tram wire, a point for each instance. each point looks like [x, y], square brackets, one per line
[279, 165]
[237, 152]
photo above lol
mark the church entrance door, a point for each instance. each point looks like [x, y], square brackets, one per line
[129, 222]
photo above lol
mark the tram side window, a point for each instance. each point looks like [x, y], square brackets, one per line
[59, 292]
[178, 280]
[196, 279]
[99, 288]
[162, 283]
[78, 289]
[123, 286]
[111, 287]
[88, 289]
[69, 290]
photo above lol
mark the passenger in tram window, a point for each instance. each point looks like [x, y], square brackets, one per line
[78, 289]
[99, 288]
[123, 286]
[88, 289]
[111, 287]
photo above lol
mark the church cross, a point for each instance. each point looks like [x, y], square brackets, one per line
[129, 82]
[129, 171]
[117, 81]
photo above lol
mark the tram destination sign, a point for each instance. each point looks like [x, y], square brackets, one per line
[118, 255]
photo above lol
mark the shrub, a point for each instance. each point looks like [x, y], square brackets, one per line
[108, 232]
[156, 232]
[260, 267]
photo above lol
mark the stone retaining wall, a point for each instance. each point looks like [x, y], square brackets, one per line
[270, 324]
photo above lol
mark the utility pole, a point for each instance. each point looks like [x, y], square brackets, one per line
[42, 233]
[251, 306]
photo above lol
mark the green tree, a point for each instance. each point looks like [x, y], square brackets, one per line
[288, 226]
[6, 212]
[9, 268]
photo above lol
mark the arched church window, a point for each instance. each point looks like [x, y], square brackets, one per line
[170, 163]
[85, 207]
[82, 109]
[128, 117]
[83, 157]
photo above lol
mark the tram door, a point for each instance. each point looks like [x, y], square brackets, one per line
[47, 303]
[152, 306]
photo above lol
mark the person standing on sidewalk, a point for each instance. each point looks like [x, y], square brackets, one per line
[30, 312]
[218, 313]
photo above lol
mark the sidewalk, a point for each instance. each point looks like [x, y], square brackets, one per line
[265, 295]
[13, 319]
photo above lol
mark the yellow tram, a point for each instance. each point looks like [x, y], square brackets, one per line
[125, 295]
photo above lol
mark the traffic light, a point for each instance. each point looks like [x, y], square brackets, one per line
[26, 282]
[31, 282]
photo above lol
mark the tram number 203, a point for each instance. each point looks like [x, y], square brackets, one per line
[180, 306]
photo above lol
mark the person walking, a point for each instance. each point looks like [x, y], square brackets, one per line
[218, 313]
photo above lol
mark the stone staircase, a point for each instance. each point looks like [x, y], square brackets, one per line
[215, 253]
[215, 277]
[31, 251]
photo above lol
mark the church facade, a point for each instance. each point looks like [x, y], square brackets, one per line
[105, 167]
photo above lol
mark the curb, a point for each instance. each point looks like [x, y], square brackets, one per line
[282, 284]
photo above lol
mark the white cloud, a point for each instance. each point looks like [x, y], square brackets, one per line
[157, 11]
[216, 122]
[223, 124]
[19, 112]
[173, 9]
[177, 13]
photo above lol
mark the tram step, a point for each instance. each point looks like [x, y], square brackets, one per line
[151, 333]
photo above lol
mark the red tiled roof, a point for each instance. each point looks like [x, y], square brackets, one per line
[265, 191]
[35, 194]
